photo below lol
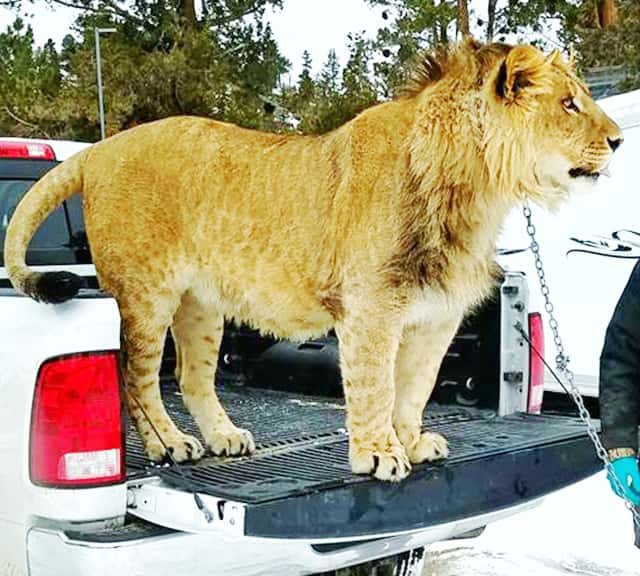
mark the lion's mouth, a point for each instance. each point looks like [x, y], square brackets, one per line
[585, 173]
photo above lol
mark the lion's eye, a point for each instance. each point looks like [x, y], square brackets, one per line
[570, 106]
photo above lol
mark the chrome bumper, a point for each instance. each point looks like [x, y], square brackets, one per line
[52, 553]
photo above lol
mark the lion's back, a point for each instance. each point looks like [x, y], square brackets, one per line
[246, 207]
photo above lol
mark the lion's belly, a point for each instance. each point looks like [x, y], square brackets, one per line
[284, 309]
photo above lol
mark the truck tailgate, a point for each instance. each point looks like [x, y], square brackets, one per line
[298, 484]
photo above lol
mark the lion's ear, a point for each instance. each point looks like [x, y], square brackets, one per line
[518, 71]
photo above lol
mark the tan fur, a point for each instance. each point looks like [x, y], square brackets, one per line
[383, 229]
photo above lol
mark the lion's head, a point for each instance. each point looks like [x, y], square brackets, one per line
[535, 123]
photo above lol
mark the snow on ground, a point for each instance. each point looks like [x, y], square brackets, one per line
[582, 530]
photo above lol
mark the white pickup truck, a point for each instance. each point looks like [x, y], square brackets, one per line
[79, 498]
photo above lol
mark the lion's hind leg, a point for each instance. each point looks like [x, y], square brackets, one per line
[197, 330]
[145, 319]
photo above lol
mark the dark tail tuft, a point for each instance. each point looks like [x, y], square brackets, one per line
[53, 287]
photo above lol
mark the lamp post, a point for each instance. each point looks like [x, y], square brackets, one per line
[99, 31]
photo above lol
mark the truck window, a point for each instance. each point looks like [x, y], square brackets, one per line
[51, 243]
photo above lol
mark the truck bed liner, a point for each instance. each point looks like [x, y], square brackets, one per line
[276, 419]
[298, 484]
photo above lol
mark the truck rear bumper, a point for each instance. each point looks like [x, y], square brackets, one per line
[168, 553]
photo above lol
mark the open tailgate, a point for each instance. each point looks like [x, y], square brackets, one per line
[298, 484]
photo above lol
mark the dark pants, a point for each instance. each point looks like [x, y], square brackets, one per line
[637, 528]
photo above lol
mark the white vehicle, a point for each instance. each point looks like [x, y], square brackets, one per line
[79, 498]
[589, 248]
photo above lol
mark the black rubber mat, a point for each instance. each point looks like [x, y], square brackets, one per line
[302, 445]
[275, 418]
[322, 462]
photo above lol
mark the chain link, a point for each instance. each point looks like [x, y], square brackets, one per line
[562, 365]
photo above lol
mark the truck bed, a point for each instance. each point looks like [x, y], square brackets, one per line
[298, 483]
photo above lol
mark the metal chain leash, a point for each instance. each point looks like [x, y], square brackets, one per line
[562, 365]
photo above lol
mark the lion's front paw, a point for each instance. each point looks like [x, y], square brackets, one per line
[183, 448]
[231, 441]
[390, 464]
[431, 446]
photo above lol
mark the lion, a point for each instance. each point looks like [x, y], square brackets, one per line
[383, 229]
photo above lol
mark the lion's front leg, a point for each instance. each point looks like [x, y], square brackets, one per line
[420, 354]
[368, 344]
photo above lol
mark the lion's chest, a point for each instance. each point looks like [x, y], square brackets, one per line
[428, 305]
[462, 289]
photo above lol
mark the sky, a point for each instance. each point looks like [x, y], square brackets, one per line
[331, 21]
[314, 25]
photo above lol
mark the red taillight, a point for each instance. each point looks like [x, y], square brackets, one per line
[76, 427]
[536, 366]
[31, 150]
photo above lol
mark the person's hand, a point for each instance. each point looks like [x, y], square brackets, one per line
[627, 471]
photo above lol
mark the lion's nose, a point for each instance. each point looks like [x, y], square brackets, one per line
[614, 143]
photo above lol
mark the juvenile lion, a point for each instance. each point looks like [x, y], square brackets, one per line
[383, 229]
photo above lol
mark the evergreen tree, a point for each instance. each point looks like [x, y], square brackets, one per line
[165, 59]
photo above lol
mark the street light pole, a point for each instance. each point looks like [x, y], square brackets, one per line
[99, 31]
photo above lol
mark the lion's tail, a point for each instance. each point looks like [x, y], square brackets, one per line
[43, 197]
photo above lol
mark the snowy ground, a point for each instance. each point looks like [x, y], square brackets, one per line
[583, 530]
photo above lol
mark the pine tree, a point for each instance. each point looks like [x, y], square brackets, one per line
[30, 80]
[329, 81]
[306, 85]
[219, 60]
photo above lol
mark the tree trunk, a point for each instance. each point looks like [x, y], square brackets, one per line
[463, 17]
[491, 20]
[444, 37]
[607, 13]
[440, 30]
[187, 10]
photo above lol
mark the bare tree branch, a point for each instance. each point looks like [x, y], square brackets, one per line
[187, 8]
[111, 9]
[19, 120]
[232, 18]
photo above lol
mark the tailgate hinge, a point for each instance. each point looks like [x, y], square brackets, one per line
[156, 502]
